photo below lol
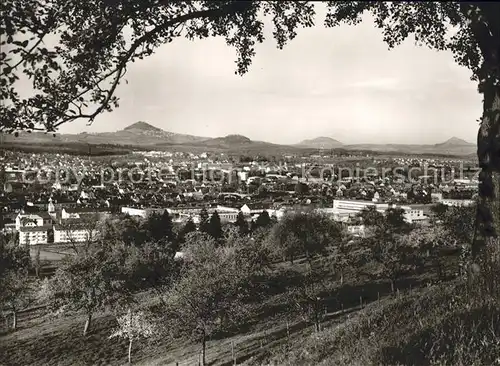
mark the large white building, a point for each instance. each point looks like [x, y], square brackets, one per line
[457, 202]
[33, 228]
[343, 210]
[142, 212]
[249, 210]
[78, 213]
[73, 234]
[33, 235]
[33, 220]
[414, 215]
[349, 208]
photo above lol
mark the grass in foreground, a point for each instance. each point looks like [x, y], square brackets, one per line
[447, 324]
[43, 341]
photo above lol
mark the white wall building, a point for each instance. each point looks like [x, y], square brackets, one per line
[76, 235]
[33, 235]
[457, 202]
[28, 220]
[142, 212]
[349, 208]
[33, 228]
[413, 215]
[344, 209]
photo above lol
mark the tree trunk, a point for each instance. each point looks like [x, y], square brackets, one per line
[14, 319]
[392, 286]
[440, 271]
[488, 153]
[37, 262]
[317, 322]
[341, 278]
[87, 324]
[130, 351]
[203, 349]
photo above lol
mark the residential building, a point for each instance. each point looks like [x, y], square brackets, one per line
[33, 235]
[457, 202]
[75, 234]
[33, 220]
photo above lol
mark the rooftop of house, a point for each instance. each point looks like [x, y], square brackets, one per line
[86, 210]
[74, 225]
[257, 206]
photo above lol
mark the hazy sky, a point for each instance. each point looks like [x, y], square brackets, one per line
[342, 82]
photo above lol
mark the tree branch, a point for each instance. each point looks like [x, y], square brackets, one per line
[208, 13]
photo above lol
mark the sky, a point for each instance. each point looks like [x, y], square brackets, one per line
[340, 82]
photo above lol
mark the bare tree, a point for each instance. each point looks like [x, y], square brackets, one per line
[132, 326]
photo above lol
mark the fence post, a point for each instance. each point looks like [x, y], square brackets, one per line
[232, 352]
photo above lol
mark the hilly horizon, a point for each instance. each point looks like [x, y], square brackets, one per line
[455, 141]
[144, 135]
[321, 142]
[452, 146]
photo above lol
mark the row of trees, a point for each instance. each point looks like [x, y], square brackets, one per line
[217, 283]
[16, 287]
[160, 228]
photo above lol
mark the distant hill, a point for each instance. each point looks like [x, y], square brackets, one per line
[143, 127]
[228, 140]
[454, 141]
[137, 134]
[144, 136]
[452, 146]
[239, 144]
[320, 143]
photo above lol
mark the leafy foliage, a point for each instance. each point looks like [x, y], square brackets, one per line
[78, 77]
[204, 220]
[209, 296]
[305, 234]
[215, 226]
[369, 216]
[395, 254]
[151, 265]
[16, 289]
[241, 224]
[189, 227]
[134, 325]
[137, 232]
[459, 223]
[262, 221]
[91, 281]
[307, 298]
[159, 227]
